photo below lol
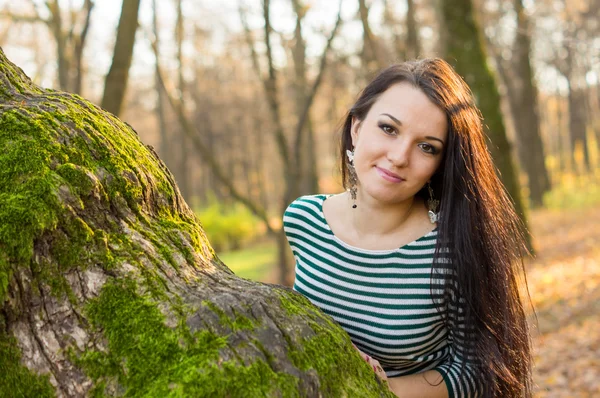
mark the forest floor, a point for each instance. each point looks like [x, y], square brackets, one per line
[564, 285]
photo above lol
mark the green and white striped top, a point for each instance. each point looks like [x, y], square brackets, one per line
[382, 298]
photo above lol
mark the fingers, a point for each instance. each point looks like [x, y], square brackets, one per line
[375, 365]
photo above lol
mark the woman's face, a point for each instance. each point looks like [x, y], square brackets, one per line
[399, 145]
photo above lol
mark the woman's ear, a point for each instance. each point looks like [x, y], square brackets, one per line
[354, 130]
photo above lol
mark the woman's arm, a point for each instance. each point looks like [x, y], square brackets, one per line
[428, 384]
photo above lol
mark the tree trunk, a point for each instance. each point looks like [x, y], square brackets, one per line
[389, 20]
[563, 135]
[79, 45]
[413, 45]
[116, 80]
[465, 51]
[441, 46]
[56, 26]
[108, 285]
[307, 163]
[523, 99]
[593, 110]
[310, 173]
[372, 53]
[164, 149]
[184, 176]
[577, 127]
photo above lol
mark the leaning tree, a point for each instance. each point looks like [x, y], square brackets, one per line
[109, 286]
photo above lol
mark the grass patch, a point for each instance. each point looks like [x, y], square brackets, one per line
[255, 263]
[573, 192]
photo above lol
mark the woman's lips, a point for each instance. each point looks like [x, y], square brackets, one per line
[386, 175]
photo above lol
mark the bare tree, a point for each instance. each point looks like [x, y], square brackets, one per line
[70, 36]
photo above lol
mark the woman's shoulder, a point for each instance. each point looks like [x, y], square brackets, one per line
[308, 200]
[303, 210]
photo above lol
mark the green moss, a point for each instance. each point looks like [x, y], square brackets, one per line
[28, 200]
[18, 80]
[330, 353]
[15, 378]
[77, 177]
[239, 322]
[190, 227]
[38, 156]
[147, 358]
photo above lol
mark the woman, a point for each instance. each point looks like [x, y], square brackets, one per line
[416, 259]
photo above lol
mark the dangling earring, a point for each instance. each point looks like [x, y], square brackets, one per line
[352, 176]
[432, 205]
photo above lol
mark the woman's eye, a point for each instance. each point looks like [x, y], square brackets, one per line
[427, 148]
[387, 129]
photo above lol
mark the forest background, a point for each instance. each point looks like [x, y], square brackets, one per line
[243, 99]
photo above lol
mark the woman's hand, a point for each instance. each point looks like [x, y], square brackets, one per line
[374, 364]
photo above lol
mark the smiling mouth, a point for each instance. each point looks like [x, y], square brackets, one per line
[389, 175]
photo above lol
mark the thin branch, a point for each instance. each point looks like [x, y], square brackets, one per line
[37, 9]
[23, 18]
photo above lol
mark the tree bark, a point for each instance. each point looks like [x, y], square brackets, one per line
[116, 80]
[108, 285]
[466, 52]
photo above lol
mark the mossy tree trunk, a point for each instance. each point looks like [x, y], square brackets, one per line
[108, 284]
[464, 50]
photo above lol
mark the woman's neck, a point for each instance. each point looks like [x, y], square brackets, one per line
[372, 218]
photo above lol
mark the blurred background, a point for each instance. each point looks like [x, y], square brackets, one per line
[243, 99]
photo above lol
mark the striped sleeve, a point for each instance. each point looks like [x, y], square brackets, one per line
[460, 368]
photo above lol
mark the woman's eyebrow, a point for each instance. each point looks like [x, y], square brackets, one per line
[398, 122]
[434, 138]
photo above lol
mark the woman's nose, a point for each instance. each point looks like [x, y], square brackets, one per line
[399, 154]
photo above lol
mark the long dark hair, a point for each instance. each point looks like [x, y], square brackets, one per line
[477, 223]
